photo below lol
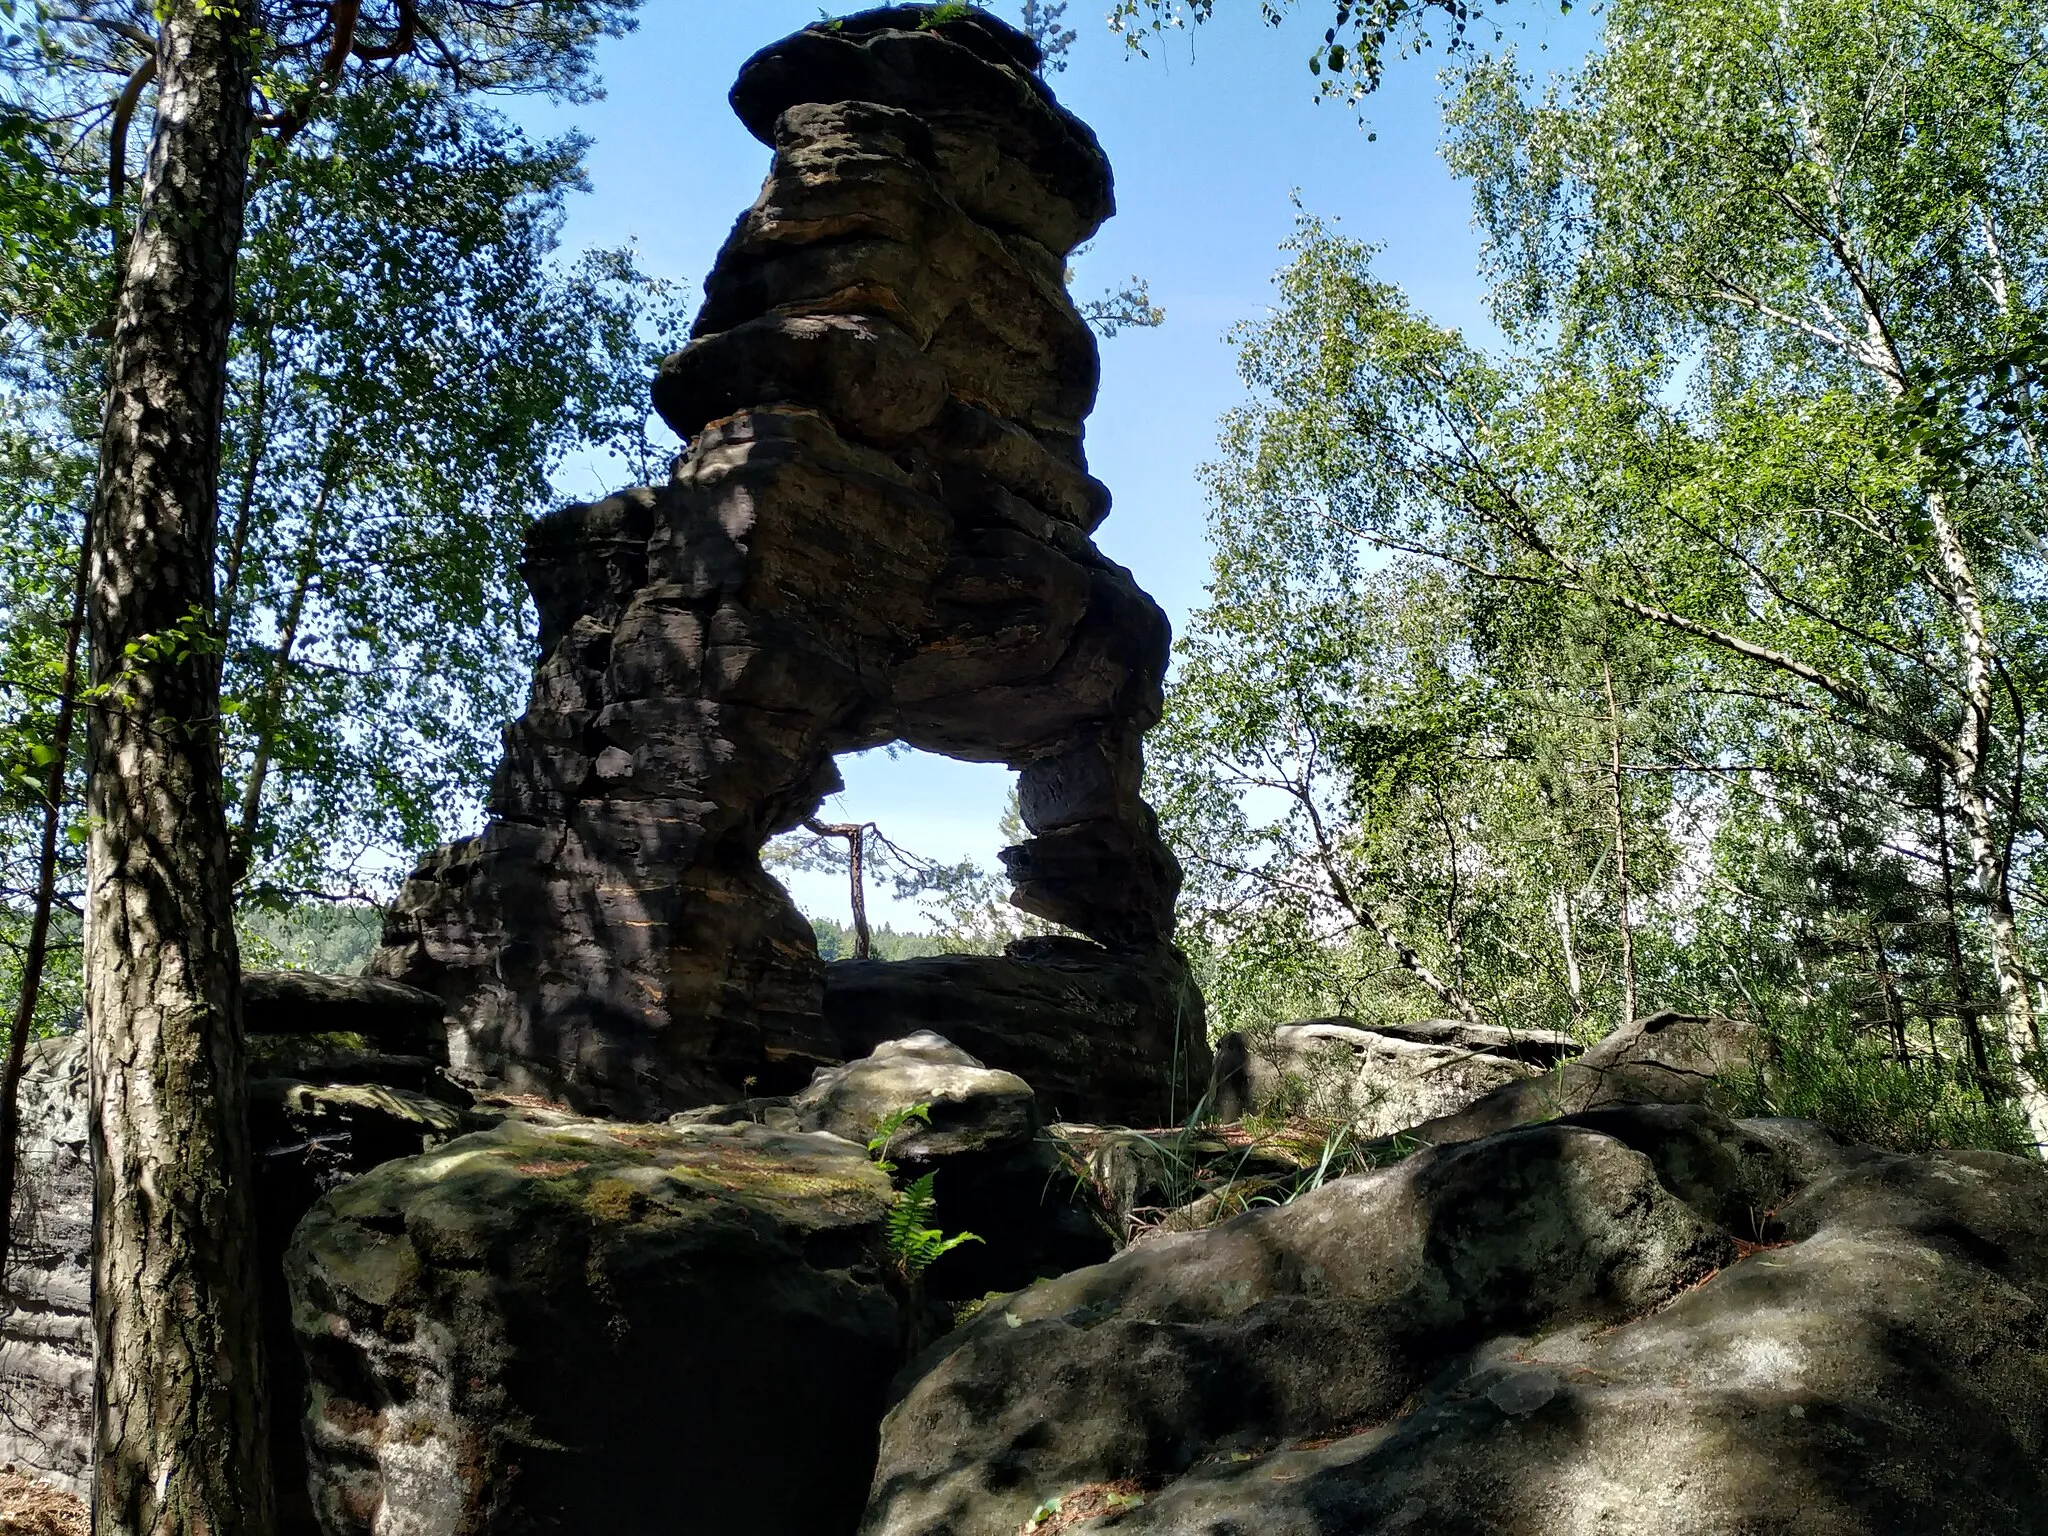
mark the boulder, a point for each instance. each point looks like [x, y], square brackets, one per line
[1538, 1047]
[628, 1328]
[995, 1174]
[1663, 1058]
[1106, 1037]
[1643, 1319]
[1377, 1081]
[46, 1342]
[970, 1108]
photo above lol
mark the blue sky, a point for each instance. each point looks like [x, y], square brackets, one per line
[1212, 138]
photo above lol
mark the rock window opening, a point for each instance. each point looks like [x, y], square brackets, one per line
[906, 861]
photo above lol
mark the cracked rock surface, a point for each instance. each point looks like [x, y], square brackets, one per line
[46, 1345]
[324, 1105]
[1644, 1318]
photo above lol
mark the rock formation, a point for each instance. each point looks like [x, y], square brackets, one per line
[1644, 1320]
[997, 1174]
[1662, 1058]
[879, 532]
[1377, 1080]
[46, 1307]
[623, 1328]
[342, 1079]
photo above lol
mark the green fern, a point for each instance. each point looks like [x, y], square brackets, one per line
[917, 1244]
[890, 1126]
[954, 10]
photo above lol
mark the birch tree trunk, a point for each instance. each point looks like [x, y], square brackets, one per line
[1574, 980]
[180, 1434]
[1624, 916]
[1987, 851]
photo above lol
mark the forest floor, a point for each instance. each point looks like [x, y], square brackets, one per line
[31, 1507]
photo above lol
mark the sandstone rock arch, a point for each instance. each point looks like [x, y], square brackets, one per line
[880, 531]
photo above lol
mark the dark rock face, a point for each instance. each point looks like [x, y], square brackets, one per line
[630, 1328]
[297, 1003]
[880, 532]
[1116, 1039]
[1644, 1319]
[310, 1137]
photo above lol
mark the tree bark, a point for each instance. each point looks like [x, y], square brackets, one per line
[180, 1435]
[1888, 994]
[1574, 981]
[1959, 981]
[856, 836]
[1621, 890]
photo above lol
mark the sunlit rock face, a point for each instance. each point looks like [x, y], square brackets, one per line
[1639, 1320]
[880, 532]
[46, 1305]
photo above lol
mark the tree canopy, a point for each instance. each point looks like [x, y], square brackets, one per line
[1738, 531]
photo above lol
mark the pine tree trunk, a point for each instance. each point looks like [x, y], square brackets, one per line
[855, 835]
[175, 1276]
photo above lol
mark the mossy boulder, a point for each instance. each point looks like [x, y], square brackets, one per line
[634, 1328]
[996, 1174]
[1662, 1058]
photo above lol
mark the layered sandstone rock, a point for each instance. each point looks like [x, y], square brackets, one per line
[325, 1105]
[879, 532]
[46, 1305]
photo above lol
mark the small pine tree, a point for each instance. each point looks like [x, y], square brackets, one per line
[1041, 23]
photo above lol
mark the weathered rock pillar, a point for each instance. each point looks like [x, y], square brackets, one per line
[879, 532]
